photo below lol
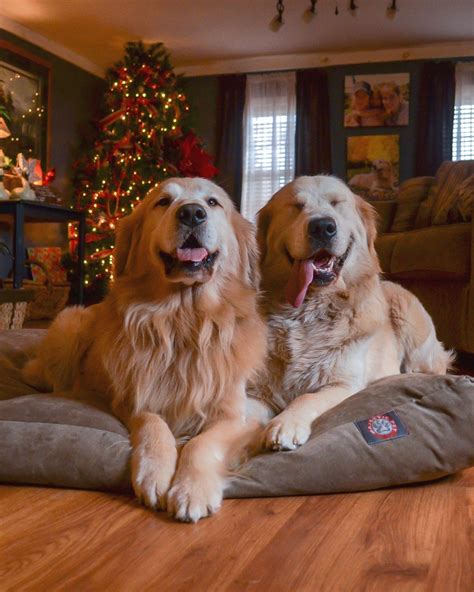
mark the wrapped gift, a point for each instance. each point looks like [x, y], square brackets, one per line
[50, 257]
[49, 286]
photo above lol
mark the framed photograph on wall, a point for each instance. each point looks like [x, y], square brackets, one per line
[24, 104]
[373, 165]
[376, 100]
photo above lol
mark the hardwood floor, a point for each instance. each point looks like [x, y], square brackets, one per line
[404, 539]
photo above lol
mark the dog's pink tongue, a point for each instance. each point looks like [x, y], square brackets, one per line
[194, 255]
[300, 278]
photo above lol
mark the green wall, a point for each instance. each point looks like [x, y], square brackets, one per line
[339, 133]
[75, 95]
[202, 95]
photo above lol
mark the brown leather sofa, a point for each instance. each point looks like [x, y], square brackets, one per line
[429, 248]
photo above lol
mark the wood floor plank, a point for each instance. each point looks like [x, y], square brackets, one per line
[400, 540]
[221, 554]
[415, 538]
[384, 540]
[302, 556]
[161, 552]
[452, 565]
[58, 539]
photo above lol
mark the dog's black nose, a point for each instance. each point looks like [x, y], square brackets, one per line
[322, 228]
[191, 215]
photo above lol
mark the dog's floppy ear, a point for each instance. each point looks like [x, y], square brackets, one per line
[369, 217]
[263, 223]
[126, 242]
[248, 249]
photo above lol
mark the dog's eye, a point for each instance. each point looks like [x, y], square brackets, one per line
[335, 202]
[164, 201]
[212, 201]
[299, 206]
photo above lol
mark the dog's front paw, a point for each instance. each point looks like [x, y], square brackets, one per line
[194, 497]
[286, 432]
[151, 479]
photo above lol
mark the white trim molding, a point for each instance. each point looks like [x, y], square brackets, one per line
[261, 63]
[55, 48]
[315, 60]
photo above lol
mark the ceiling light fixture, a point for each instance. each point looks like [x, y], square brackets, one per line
[310, 12]
[277, 22]
[392, 10]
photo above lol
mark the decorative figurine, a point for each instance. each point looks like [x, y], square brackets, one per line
[23, 192]
[4, 194]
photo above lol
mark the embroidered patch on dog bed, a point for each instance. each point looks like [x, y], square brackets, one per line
[382, 427]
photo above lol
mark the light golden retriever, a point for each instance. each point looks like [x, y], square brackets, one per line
[334, 326]
[381, 177]
[173, 344]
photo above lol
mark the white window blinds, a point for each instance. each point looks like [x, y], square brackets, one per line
[463, 128]
[269, 138]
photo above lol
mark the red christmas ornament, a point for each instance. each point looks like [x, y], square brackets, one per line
[49, 176]
[138, 142]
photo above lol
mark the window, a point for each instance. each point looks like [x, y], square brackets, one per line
[269, 138]
[463, 125]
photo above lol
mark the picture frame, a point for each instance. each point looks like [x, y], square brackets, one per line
[377, 100]
[25, 82]
[373, 165]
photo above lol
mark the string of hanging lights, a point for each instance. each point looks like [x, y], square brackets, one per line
[277, 22]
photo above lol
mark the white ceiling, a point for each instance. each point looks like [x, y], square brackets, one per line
[203, 33]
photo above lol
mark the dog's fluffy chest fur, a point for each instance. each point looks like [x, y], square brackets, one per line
[306, 346]
[184, 365]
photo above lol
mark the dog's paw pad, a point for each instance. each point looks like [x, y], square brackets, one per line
[286, 433]
[190, 500]
[151, 482]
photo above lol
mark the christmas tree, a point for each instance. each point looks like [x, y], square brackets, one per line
[141, 140]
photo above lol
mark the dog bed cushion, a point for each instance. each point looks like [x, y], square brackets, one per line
[401, 429]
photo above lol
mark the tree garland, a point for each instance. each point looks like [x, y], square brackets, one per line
[140, 140]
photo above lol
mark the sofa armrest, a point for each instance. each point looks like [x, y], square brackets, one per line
[385, 213]
[426, 180]
[412, 196]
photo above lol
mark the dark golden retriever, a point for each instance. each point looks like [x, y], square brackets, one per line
[173, 344]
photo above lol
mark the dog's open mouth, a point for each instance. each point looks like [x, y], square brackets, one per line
[191, 257]
[323, 264]
[321, 269]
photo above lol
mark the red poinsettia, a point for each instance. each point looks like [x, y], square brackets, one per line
[195, 161]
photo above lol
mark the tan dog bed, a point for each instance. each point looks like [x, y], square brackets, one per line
[402, 429]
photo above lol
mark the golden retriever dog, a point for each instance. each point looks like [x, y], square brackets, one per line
[334, 325]
[380, 177]
[172, 345]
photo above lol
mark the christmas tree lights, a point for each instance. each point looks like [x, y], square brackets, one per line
[141, 140]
